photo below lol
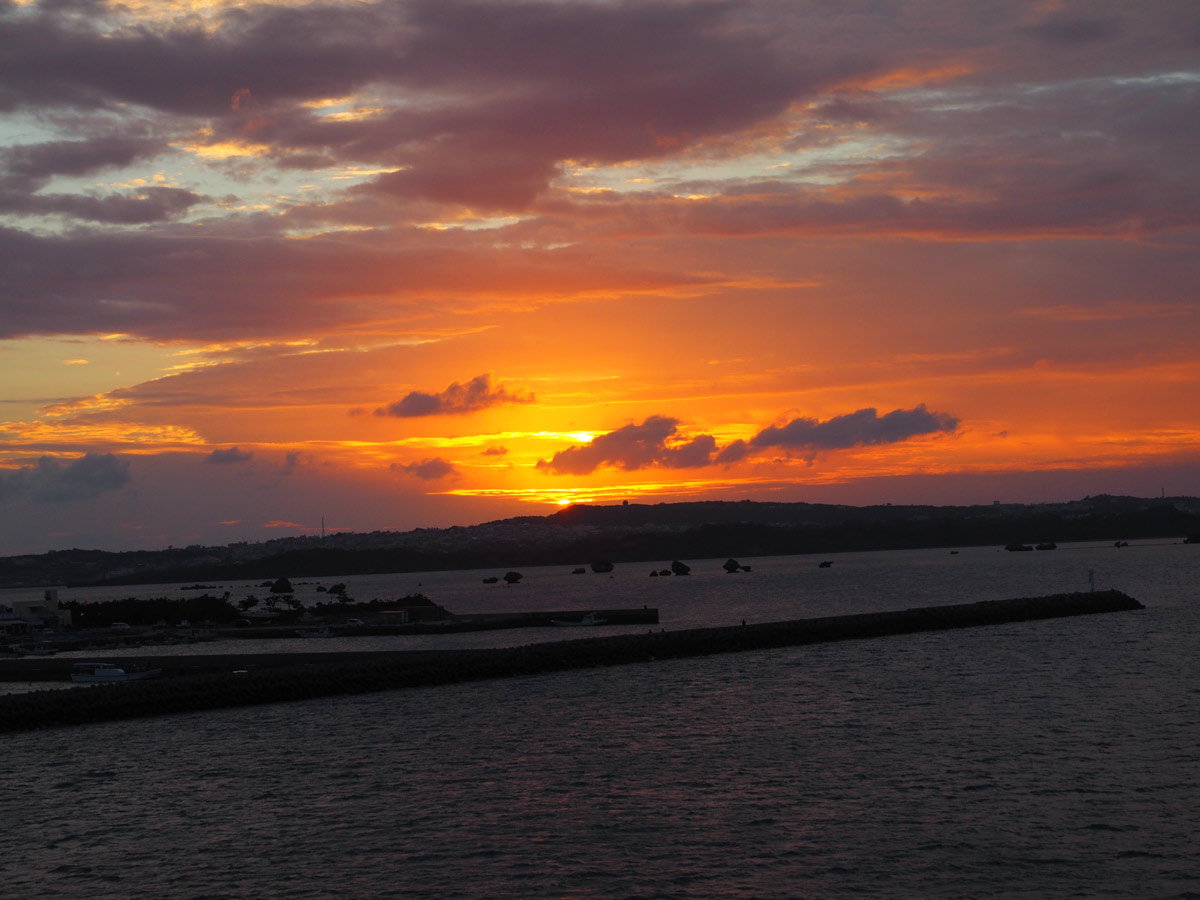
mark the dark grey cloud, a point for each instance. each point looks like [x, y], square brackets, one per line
[520, 87]
[457, 399]
[142, 206]
[604, 83]
[665, 59]
[26, 169]
[861, 428]
[228, 456]
[653, 443]
[433, 469]
[187, 69]
[55, 480]
[1069, 30]
[81, 157]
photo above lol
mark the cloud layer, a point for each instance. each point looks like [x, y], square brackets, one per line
[744, 120]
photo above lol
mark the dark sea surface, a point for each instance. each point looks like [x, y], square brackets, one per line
[1050, 759]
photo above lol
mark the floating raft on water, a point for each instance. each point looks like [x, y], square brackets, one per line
[320, 676]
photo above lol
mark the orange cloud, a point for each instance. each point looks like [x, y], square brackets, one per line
[911, 76]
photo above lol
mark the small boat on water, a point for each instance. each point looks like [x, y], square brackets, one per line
[106, 673]
[323, 632]
[589, 619]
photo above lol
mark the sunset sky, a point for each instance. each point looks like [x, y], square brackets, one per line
[401, 264]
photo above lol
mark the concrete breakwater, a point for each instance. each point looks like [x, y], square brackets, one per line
[258, 679]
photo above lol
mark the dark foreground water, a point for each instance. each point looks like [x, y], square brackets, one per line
[1042, 759]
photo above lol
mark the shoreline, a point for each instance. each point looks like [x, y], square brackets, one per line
[105, 643]
[251, 679]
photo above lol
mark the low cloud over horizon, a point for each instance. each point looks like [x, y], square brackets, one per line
[55, 480]
[655, 442]
[634, 447]
[862, 428]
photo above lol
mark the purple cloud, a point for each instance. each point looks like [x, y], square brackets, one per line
[653, 443]
[583, 81]
[861, 428]
[228, 456]
[433, 469]
[82, 157]
[457, 399]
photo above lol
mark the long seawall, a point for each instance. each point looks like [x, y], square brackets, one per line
[317, 676]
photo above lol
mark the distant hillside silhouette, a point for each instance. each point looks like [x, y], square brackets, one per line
[626, 533]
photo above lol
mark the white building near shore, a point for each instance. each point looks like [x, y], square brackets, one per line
[25, 616]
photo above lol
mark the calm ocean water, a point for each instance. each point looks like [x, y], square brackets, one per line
[1043, 759]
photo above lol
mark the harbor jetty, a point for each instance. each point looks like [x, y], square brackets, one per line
[212, 682]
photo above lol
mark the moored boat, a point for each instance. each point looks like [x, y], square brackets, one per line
[106, 673]
[589, 619]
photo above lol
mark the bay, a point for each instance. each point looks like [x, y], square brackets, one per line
[1039, 759]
